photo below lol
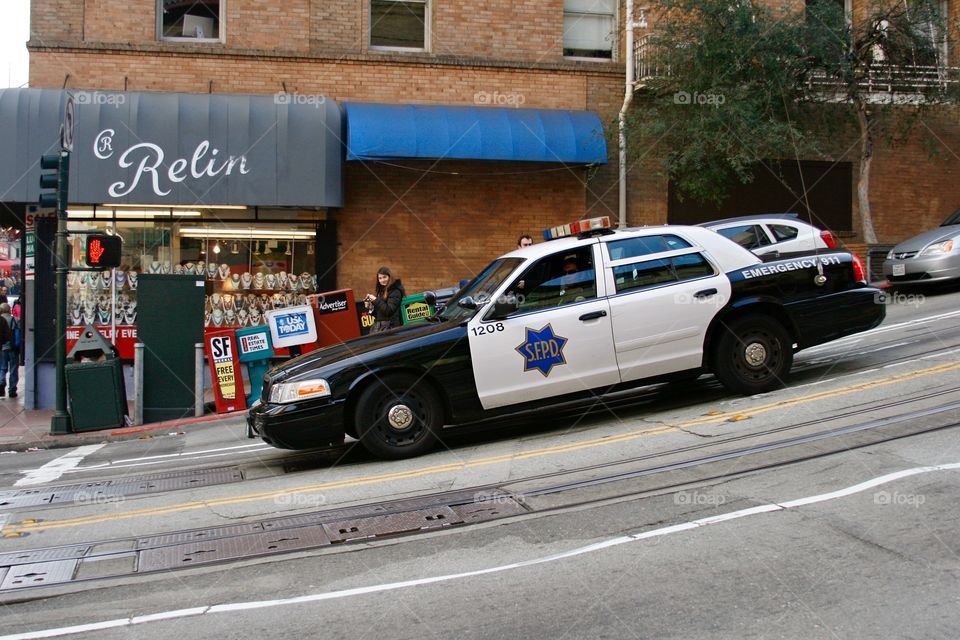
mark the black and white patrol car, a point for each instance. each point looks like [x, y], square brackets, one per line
[597, 312]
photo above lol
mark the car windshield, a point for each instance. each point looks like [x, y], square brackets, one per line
[480, 288]
[953, 218]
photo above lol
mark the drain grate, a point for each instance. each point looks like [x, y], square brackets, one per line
[390, 524]
[189, 555]
[198, 535]
[43, 555]
[39, 573]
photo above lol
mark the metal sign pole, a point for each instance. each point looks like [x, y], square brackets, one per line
[60, 421]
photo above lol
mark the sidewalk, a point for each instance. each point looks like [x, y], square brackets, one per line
[23, 430]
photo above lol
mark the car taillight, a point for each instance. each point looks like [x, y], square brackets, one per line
[859, 272]
[828, 238]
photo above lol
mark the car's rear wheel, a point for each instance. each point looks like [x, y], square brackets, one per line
[398, 416]
[753, 355]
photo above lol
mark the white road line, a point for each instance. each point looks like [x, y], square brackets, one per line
[115, 463]
[393, 586]
[147, 464]
[858, 337]
[56, 468]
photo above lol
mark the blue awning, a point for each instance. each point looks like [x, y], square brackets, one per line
[393, 131]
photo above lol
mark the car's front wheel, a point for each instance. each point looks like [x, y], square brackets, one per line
[753, 354]
[398, 416]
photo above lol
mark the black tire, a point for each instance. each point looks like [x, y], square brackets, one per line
[398, 417]
[753, 354]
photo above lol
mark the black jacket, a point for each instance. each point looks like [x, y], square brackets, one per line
[388, 308]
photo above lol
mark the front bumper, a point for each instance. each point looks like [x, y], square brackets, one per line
[923, 269]
[298, 426]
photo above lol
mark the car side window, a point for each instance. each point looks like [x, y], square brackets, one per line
[749, 236]
[644, 246]
[783, 232]
[658, 271]
[556, 280]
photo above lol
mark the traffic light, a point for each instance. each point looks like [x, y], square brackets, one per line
[56, 169]
[103, 251]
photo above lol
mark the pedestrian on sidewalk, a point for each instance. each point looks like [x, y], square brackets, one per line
[9, 352]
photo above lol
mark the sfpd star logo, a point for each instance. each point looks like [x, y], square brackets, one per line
[542, 350]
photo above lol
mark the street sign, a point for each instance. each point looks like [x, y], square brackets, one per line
[69, 119]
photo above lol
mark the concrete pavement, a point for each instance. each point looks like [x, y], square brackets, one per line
[25, 429]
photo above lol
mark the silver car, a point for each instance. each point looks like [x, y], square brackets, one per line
[932, 256]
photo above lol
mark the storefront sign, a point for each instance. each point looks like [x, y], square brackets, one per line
[225, 371]
[292, 326]
[153, 148]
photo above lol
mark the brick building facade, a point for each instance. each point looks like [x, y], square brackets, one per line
[433, 221]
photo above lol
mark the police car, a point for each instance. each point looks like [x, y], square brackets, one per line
[593, 311]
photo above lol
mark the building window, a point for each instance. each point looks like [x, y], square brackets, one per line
[588, 28]
[399, 24]
[189, 20]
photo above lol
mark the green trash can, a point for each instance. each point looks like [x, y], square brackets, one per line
[95, 388]
[98, 398]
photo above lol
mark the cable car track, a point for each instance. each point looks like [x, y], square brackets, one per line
[328, 529]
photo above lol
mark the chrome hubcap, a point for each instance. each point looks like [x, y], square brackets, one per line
[755, 354]
[400, 416]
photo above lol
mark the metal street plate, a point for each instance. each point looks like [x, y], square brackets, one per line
[393, 523]
[190, 555]
[32, 556]
[38, 574]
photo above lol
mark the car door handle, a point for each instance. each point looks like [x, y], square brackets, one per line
[593, 315]
[706, 293]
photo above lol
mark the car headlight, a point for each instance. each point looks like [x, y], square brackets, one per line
[286, 392]
[938, 248]
[890, 255]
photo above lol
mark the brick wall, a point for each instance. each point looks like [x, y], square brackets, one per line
[357, 80]
[56, 20]
[434, 228]
[109, 21]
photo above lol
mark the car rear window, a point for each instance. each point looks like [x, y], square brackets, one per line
[784, 232]
[645, 246]
[749, 236]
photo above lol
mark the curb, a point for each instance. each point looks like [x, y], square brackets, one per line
[61, 441]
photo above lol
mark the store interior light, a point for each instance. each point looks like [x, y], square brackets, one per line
[104, 213]
[242, 234]
[234, 248]
[216, 247]
[288, 250]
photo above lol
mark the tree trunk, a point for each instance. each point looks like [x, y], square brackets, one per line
[863, 179]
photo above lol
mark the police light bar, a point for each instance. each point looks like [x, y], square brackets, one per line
[576, 228]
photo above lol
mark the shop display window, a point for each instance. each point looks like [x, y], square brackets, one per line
[245, 276]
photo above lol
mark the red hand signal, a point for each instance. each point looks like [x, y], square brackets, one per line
[96, 250]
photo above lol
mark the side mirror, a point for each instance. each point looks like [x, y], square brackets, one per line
[468, 303]
[430, 298]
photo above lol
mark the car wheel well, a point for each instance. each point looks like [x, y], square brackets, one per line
[767, 309]
[350, 408]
